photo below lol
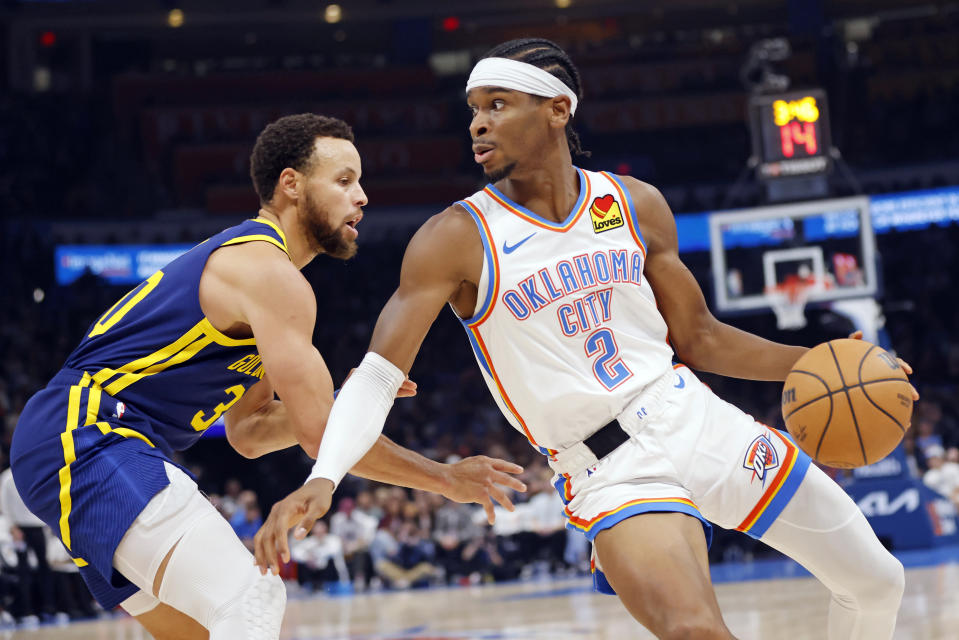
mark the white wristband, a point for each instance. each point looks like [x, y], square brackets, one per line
[357, 417]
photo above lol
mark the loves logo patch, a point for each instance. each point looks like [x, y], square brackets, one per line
[605, 214]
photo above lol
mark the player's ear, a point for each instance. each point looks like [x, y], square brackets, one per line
[287, 183]
[559, 113]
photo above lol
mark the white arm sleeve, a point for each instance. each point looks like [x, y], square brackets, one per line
[357, 417]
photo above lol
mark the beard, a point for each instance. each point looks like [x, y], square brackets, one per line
[499, 174]
[321, 235]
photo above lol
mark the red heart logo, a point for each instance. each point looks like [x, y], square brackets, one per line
[602, 205]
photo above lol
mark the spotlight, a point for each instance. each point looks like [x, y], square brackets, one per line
[175, 18]
[333, 13]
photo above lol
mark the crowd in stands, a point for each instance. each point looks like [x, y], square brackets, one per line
[384, 537]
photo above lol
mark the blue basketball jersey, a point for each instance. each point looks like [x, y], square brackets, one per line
[149, 377]
[156, 356]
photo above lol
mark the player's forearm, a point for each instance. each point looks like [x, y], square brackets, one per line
[356, 419]
[390, 463]
[729, 351]
[307, 395]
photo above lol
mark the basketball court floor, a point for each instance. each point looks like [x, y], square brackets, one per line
[766, 600]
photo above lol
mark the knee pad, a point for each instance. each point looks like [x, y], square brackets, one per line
[156, 530]
[211, 577]
[256, 614]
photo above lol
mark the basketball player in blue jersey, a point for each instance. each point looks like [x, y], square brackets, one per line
[567, 282]
[217, 332]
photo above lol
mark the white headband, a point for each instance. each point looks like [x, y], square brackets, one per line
[513, 74]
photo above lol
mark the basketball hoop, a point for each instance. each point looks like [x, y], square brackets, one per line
[788, 300]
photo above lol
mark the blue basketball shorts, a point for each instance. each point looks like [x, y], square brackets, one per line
[86, 475]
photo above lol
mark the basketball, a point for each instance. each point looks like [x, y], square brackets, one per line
[847, 403]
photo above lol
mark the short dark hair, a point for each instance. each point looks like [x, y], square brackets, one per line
[550, 57]
[288, 142]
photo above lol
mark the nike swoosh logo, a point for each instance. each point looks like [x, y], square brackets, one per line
[510, 249]
[681, 383]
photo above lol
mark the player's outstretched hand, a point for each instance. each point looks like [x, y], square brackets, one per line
[857, 335]
[482, 479]
[303, 507]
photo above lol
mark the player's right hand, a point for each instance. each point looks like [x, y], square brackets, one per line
[857, 335]
[303, 508]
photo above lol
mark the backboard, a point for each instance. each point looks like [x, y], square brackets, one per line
[826, 246]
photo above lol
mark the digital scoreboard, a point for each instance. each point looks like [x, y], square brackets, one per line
[790, 133]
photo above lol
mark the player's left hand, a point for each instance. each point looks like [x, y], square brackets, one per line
[406, 390]
[303, 508]
[857, 335]
[482, 479]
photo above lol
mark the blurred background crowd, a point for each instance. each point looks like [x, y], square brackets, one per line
[143, 135]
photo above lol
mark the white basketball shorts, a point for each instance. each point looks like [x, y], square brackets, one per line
[688, 452]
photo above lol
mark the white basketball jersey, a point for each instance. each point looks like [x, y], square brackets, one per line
[566, 329]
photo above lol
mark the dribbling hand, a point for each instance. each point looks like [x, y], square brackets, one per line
[303, 507]
[857, 335]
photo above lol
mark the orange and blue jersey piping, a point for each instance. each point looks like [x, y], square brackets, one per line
[632, 220]
[780, 491]
[519, 210]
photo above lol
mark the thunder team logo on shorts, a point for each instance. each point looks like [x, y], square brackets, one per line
[605, 214]
[761, 457]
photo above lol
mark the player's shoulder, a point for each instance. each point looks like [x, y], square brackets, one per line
[255, 265]
[448, 241]
[454, 218]
[452, 226]
[252, 256]
[655, 218]
[643, 194]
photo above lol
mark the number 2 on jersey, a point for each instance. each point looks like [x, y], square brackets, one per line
[609, 369]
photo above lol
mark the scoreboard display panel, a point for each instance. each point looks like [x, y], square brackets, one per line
[790, 133]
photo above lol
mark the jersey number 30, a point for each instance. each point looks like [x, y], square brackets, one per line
[608, 368]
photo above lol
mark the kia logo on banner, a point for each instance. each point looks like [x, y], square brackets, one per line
[878, 503]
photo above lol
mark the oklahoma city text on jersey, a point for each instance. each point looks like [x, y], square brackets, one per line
[567, 277]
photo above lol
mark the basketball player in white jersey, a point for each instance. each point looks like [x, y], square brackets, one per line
[574, 299]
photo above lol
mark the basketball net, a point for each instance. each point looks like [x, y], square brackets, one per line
[788, 300]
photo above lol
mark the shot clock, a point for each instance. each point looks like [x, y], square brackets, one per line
[790, 133]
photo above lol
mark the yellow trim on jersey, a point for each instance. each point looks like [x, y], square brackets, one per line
[93, 402]
[175, 357]
[188, 345]
[105, 428]
[274, 226]
[69, 457]
[253, 238]
[179, 351]
[109, 318]
[222, 339]
[94, 395]
[70, 453]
